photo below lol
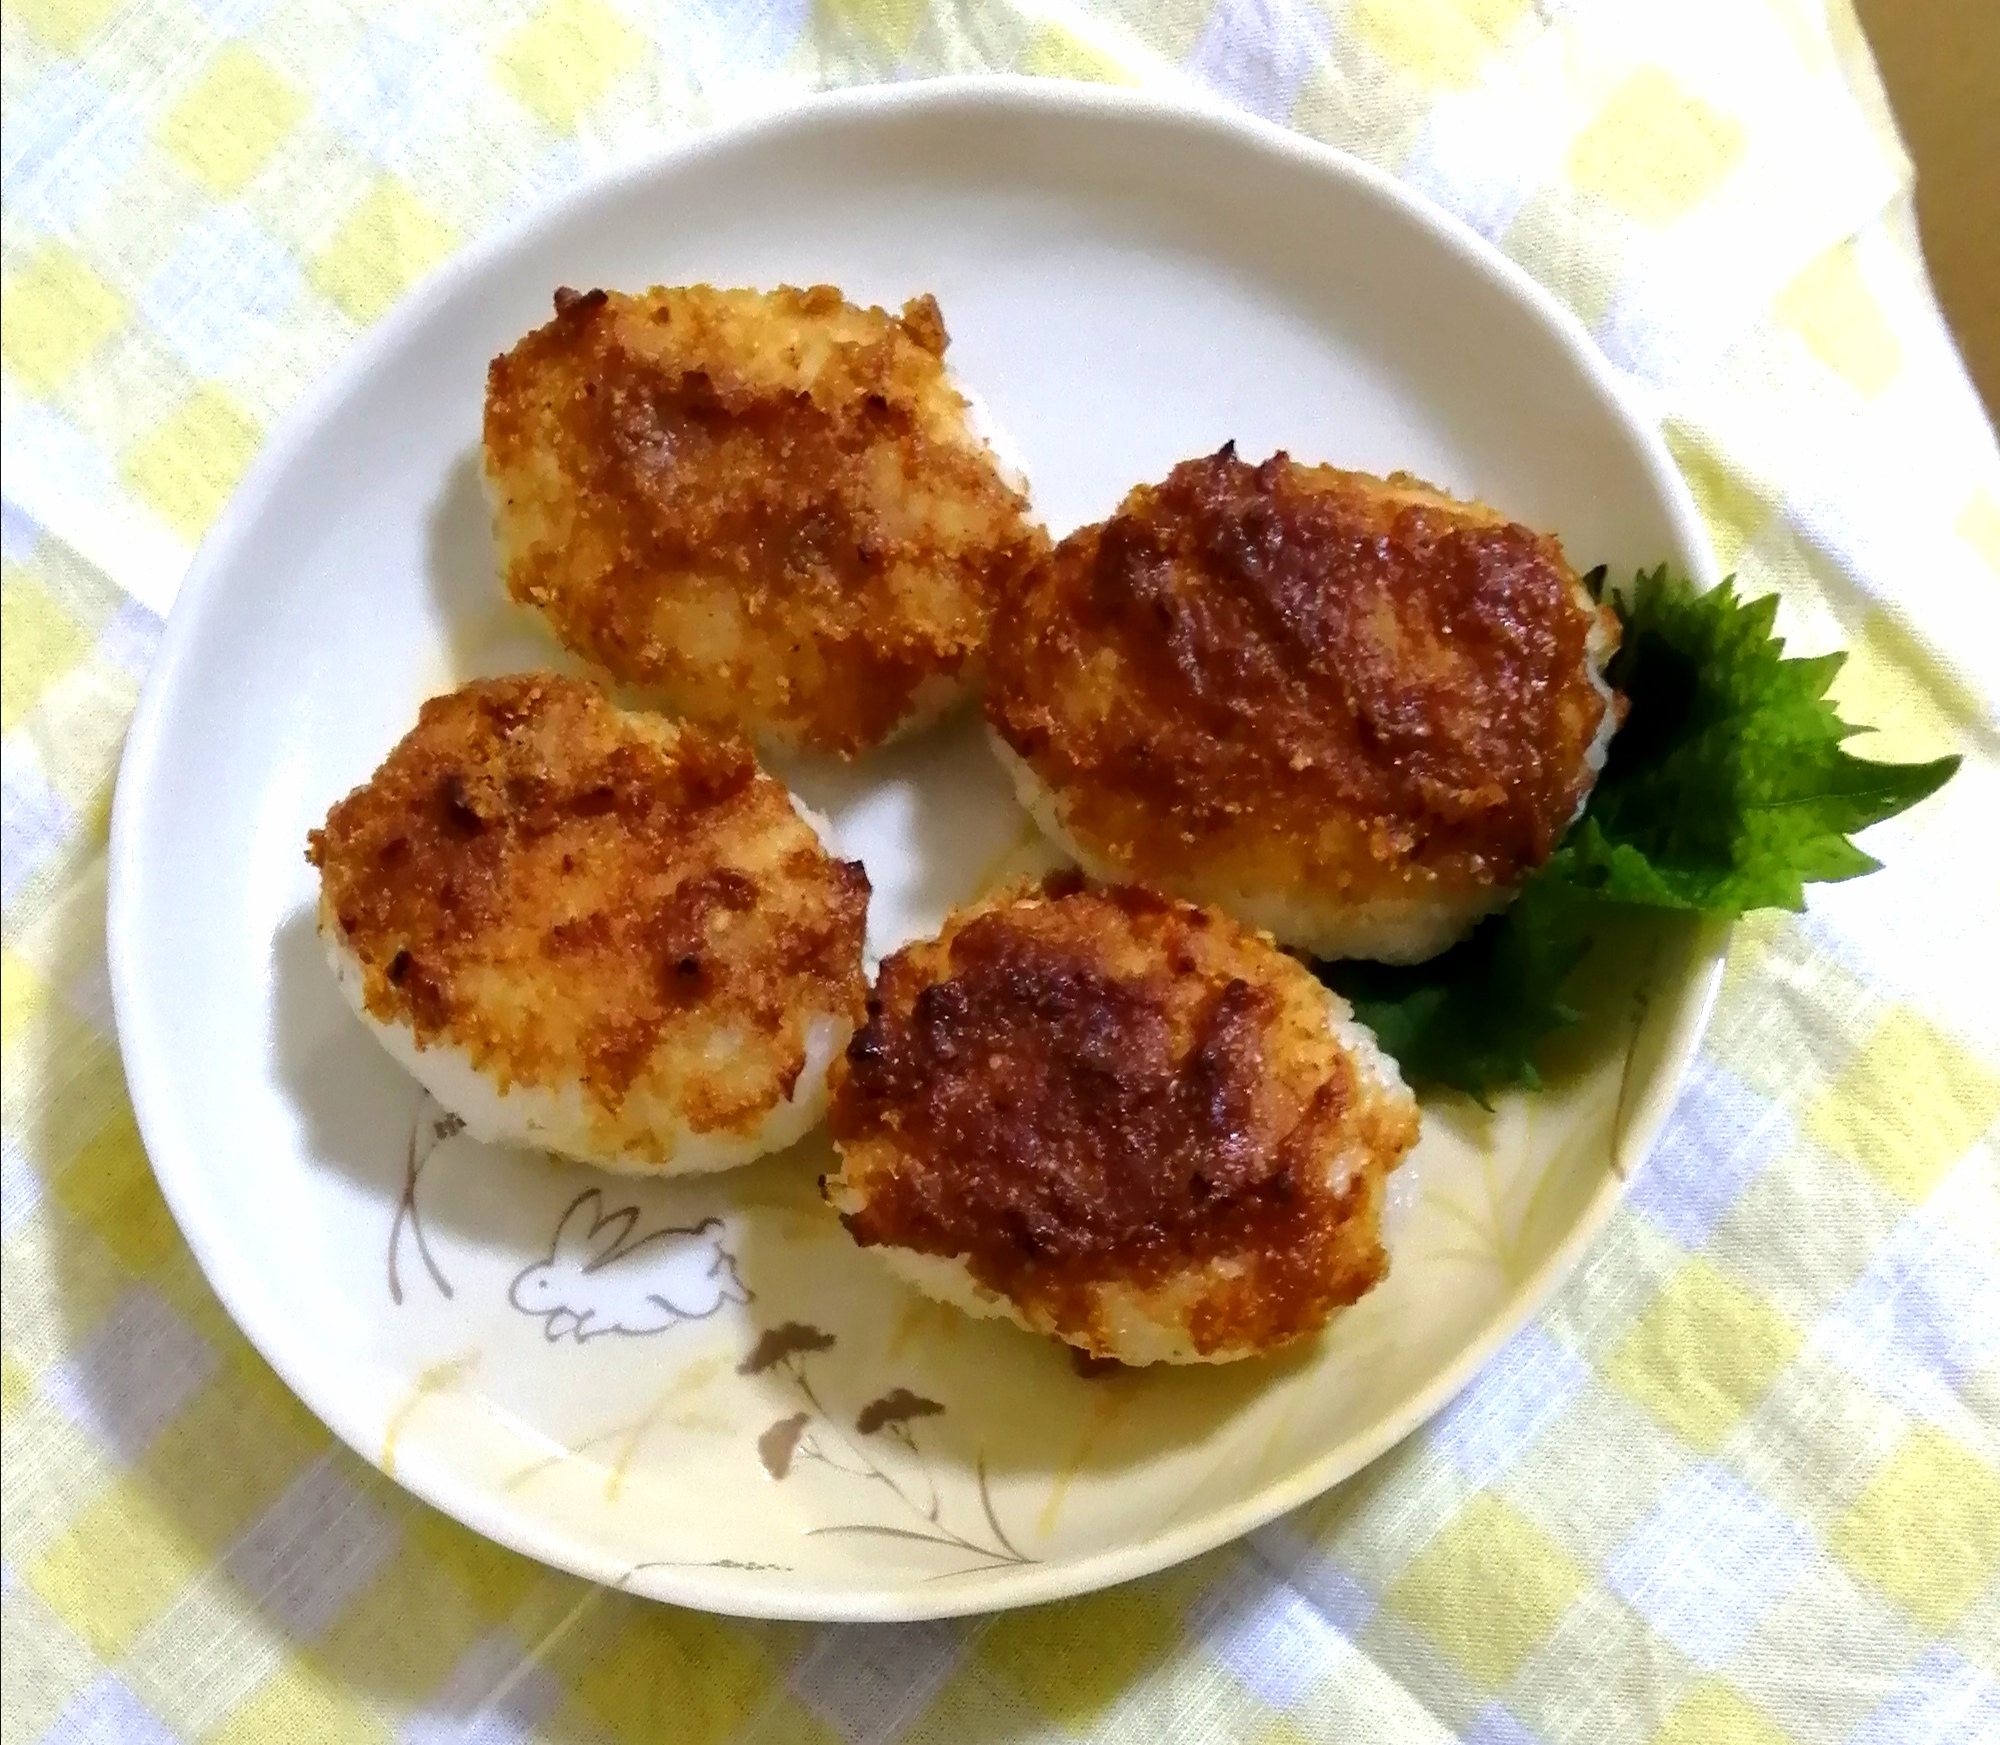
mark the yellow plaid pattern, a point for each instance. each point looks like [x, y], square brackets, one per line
[1756, 1439]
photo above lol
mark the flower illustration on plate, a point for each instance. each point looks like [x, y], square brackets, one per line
[893, 1412]
[432, 1126]
[815, 1435]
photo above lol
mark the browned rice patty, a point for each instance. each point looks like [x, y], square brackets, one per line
[769, 511]
[1119, 1119]
[1352, 711]
[591, 931]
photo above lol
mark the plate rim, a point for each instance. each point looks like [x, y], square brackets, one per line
[149, 1081]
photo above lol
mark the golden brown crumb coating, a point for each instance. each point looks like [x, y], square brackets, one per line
[580, 900]
[769, 510]
[1142, 1126]
[1330, 694]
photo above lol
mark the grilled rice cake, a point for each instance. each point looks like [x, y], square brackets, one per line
[1119, 1119]
[1350, 710]
[601, 933]
[769, 511]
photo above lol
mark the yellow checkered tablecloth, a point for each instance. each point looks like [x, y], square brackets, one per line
[1740, 1485]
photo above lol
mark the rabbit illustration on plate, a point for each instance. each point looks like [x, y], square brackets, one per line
[600, 1278]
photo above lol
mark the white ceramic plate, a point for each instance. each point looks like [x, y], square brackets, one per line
[1127, 283]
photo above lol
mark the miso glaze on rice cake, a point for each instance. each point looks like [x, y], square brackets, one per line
[595, 932]
[1352, 711]
[771, 511]
[1119, 1119]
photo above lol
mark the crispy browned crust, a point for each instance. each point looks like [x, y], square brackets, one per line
[1080, 1086]
[1298, 678]
[767, 509]
[574, 894]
